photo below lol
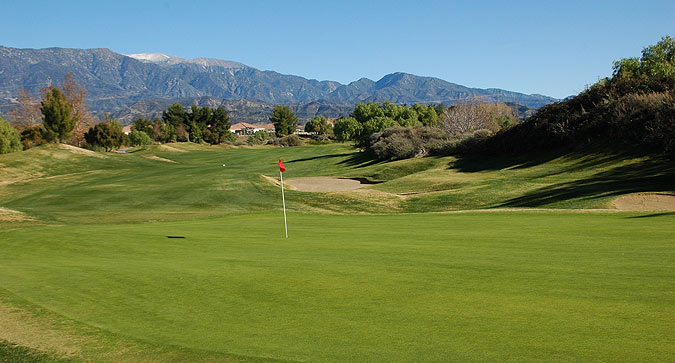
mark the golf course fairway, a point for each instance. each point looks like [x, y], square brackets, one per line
[507, 286]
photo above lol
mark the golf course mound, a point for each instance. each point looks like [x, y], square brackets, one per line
[323, 184]
[80, 151]
[645, 202]
[170, 148]
[157, 158]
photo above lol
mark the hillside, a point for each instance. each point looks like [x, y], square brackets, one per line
[115, 82]
[632, 109]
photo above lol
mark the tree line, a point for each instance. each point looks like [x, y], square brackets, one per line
[65, 118]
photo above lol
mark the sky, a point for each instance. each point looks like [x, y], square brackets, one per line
[544, 47]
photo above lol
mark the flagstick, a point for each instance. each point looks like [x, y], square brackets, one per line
[284, 201]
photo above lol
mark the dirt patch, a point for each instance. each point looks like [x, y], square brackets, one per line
[11, 215]
[153, 157]
[645, 202]
[80, 151]
[169, 148]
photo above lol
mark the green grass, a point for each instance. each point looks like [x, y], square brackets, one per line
[453, 287]
[379, 281]
[57, 186]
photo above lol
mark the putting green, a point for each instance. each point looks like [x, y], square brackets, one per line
[516, 286]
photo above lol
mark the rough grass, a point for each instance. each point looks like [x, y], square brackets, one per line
[12, 353]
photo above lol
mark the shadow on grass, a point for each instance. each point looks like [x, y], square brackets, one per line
[584, 159]
[478, 163]
[361, 160]
[653, 215]
[648, 176]
[320, 157]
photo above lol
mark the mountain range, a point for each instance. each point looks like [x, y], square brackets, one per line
[129, 86]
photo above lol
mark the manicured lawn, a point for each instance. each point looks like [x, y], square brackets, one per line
[507, 286]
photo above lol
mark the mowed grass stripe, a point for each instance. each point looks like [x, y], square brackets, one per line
[424, 287]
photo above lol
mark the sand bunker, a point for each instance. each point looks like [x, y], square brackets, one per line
[323, 184]
[645, 202]
[153, 157]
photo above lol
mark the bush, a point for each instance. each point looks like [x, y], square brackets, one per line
[139, 138]
[32, 136]
[10, 140]
[407, 142]
[259, 138]
[108, 135]
[288, 140]
[320, 140]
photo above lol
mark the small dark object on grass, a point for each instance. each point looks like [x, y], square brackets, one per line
[175, 237]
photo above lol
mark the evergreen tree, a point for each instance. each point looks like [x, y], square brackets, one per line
[59, 117]
[284, 120]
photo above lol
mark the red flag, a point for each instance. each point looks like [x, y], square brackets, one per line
[281, 166]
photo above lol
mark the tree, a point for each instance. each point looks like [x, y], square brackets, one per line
[284, 120]
[28, 113]
[76, 96]
[466, 117]
[59, 116]
[653, 72]
[320, 125]
[175, 115]
[143, 125]
[210, 125]
[10, 140]
[347, 129]
[426, 115]
[108, 135]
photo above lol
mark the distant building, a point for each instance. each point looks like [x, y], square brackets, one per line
[244, 128]
[126, 129]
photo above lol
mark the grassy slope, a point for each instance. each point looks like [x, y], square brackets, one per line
[63, 187]
[523, 286]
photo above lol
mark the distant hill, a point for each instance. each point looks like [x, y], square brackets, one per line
[120, 84]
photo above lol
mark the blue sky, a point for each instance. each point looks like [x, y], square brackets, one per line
[546, 47]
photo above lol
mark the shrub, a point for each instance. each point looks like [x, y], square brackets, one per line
[32, 136]
[258, 138]
[108, 135]
[320, 140]
[291, 140]
[407, 142]
[139, 138]
[288, 140]
[10, 140]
